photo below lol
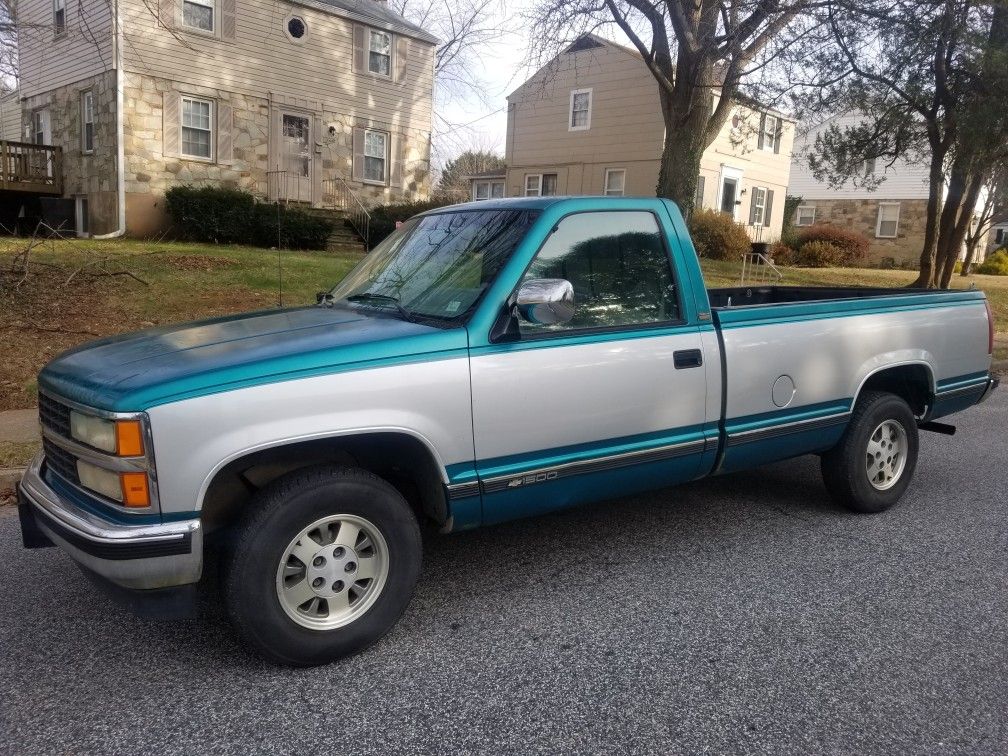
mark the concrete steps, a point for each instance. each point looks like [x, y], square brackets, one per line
[343, 239]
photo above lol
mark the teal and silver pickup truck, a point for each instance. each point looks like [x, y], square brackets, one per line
[485, 362]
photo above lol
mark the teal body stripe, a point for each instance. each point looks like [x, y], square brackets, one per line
[961, 381]
[785, 416]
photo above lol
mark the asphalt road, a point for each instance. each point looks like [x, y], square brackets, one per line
[743, 614]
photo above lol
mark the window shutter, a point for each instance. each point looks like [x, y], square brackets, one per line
[401, 55]
[358, 154]
[769, 207]
[170, 124]
[360, 50]
[396, 163]
[762, 128]
[228, 20]
[225, 125]
[698, 200]
[777, 136]
[752, 206]
[166, 13]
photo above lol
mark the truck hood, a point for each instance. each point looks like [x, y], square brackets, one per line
[135, 371]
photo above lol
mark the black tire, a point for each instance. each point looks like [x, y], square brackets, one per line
[844, 467]
[276, 515]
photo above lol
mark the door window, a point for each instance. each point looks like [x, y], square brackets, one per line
[297, 138]
[618, 266]
[728, 191]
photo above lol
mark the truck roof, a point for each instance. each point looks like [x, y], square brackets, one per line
[532, 203]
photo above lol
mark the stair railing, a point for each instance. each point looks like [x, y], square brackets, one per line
[340, 196]
[759, 270]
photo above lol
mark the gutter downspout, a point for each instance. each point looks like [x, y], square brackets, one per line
[120, 133]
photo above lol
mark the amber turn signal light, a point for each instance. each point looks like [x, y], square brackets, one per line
[129, 441]
[135, 490]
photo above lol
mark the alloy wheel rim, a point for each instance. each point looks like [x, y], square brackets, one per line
[886, 455]
[332, 572]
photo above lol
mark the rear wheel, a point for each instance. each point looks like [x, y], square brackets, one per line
[871, 467]
[322, 566]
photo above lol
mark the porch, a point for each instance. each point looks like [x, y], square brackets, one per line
[31, 168]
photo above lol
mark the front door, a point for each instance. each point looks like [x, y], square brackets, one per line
[728, 192]
[612, 402]
[296, 163]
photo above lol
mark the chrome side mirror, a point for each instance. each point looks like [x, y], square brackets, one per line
[546, 301]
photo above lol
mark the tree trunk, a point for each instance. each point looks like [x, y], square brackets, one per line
[936, 185]
[971, 250]
[960, 229]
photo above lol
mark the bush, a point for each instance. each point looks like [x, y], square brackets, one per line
[996, 263]
[782, 254]
[853, 245]
[717, 236]
[231, 216]
[819, 254]
[384, 217]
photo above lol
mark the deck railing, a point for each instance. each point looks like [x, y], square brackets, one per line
[338, 194]
[26, 167]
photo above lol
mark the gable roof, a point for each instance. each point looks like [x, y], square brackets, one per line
[375, 13]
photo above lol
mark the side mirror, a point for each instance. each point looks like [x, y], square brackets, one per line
[546, 301]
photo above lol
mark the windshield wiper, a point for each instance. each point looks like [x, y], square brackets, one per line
[368, 296]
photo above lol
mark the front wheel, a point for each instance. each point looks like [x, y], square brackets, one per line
[323, 565]
[871, 467]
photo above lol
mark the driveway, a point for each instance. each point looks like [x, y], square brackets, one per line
[744, 614]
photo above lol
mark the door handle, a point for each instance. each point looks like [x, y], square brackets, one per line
[687, 358]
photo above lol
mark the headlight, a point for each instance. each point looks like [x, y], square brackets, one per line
[122, 437]
[128, 488]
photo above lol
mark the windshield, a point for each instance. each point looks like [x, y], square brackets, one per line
[436, 266]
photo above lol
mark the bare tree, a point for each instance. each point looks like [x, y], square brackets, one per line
[8, 45]
[701, 53]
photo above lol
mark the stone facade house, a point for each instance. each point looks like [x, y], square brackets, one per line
[589, 122]
[892, 215]
[292, 100]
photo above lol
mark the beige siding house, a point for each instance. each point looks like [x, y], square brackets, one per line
[286, 99]
[589, 123]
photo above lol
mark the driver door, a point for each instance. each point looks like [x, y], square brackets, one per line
[609, 403]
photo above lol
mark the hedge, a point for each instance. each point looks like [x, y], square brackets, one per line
[820, 254]
[853, 245]
[384, 217]
[717, 236]
[233, 216]
[996, 263]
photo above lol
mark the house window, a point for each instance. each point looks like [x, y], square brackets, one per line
[380, 53]
[580, 110]
[888, 220]
[1000, 236]
[615, 182]
[59, 17]
[87, 121]
[484, 190]
[869, 166]
[770, 133]
[533, 184]
[549, 184]
[197, 126]
[39, 126]
[805, 216]
[375, 156]
[296, 27]
[198, 14]
[758, 210]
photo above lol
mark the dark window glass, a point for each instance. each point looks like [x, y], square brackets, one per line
[618, 266]
[549, 184]
[296, 27]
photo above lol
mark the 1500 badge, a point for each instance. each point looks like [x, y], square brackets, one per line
[524, 480]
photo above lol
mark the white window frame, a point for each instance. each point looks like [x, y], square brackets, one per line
[181, 111]
[87, 119]
[798, 215]
[878, 220]
[605, 182]
[538, 185]
[386, 140]
[212, 5]
[40, 126]
[570, 111]
[759, 195]
[391, 52]
[770, 134]
[489, 185]
[59, 26]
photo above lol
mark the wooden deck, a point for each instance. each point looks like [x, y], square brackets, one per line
[35, 168]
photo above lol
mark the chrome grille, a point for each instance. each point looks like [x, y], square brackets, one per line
[54, 415]
[61, 462]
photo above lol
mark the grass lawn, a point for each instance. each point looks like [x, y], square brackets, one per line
[76, 291]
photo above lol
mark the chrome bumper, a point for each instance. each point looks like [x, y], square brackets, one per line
[139, 557]
[992, 383]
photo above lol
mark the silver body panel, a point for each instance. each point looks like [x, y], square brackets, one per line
[829, 359]
[195, 438]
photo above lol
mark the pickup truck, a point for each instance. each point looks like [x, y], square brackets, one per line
[485, 362]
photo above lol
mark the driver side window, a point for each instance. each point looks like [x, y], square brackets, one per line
[618, 266]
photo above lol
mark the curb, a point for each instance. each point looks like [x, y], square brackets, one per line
[9, 477]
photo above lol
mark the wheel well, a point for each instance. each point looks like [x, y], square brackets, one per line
[912, 383]
[401, 459]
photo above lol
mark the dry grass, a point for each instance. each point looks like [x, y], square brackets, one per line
[16, 454]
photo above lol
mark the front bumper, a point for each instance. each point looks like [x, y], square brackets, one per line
[138, 557]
